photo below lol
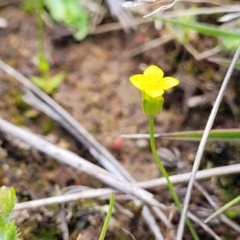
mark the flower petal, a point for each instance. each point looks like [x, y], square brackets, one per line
[167, 82]
[153, 92]
[153, 72]
[139, 81]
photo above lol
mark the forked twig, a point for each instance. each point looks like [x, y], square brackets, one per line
[203, 143]
[162, 8]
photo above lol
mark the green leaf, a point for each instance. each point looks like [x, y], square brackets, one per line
[7, 201]
[48, 84]
[8, 230]
[221, 135]
[38, 81]
[57, 9]
[72, 14]
[54, 82]
[229, 43]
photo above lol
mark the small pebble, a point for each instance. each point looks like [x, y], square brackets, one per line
[142, 143]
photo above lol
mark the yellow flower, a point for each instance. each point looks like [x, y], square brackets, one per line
[152, 81]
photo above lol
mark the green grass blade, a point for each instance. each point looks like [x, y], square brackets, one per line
[221, 135]
[208, 29]
[108, 218]
[223, 208]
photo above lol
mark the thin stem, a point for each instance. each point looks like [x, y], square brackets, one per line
[165, 174]
[159, 163]
[39, 10]
[108, 217]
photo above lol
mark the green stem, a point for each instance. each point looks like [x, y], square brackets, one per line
[108, 217]
[39, 9]
[165, 175]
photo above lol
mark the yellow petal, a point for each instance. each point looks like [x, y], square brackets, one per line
[153, 72]
[138, 81]
[167, 82]
[154, 93]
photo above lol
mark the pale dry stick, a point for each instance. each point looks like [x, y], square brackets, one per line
[152, 222]
[203, 225]
[90, 193]
[184, 177]
[216, 2]
[108, 27]
[230, 223]
[74, 189]
[125, 17]
[150, 44]
[203, 143]
[63, 225]
[229, 17]
[162, 8]
[122, 210]
[201, 11]
[162, 216]
[222, 216]
[129, 233]
[199, 56]
[100, 153]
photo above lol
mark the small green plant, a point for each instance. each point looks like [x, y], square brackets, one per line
[46, 82]
[70, 13]
[152, 84]
[8, 229]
